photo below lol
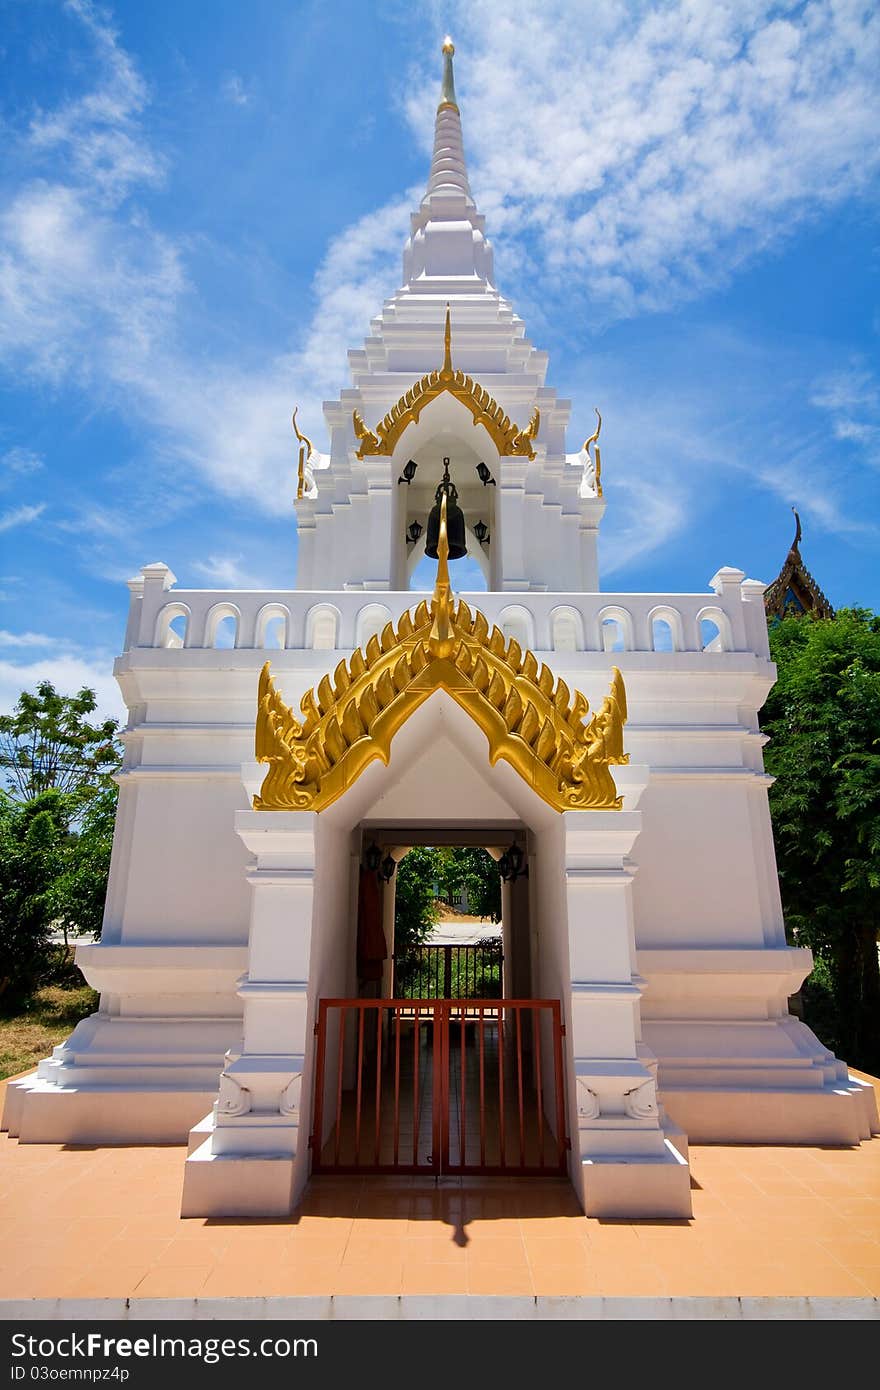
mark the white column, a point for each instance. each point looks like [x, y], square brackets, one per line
[247, 1166]
[511, 516]
[621, 1158]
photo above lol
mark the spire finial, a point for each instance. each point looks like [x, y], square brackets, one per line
[441, 640]
[447, 91]
[797, 535]
[447, 343]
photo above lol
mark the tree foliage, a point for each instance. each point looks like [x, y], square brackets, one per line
[33, 837]
[56, 830]
[474, 871]
[415, 908]
[823, 718]
[48, 742]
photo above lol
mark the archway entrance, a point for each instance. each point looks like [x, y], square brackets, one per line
[451, 1070]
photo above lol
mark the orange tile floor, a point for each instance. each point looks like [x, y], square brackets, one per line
[103, 1223]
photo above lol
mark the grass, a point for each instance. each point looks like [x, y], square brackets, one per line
[49, 1017]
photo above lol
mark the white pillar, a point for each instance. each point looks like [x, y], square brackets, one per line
[623, 1163]
[255, 1158]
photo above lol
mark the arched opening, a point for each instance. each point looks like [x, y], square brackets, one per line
[661, 635]
[322, 629]
[446, 430]
[612, 635]
[370, 623]
[225, 632]
[172, 626]
[271, 629]
[517, 623]
[566, 630]
[377, 1056]
[710, 636]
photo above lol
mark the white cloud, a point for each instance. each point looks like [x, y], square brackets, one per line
[226, 572]
[68, 673]
[234, 90]
[851, 397]
[21, 462]
[652, 149]
[21, 516]
[26, 639]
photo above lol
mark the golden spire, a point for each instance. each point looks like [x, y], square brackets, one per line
[447, 91]
[447, 344]
[441, 640]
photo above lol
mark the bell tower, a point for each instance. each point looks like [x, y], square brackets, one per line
[448, 373]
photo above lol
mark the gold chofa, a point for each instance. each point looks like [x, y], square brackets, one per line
[507, 437]
[531, 720]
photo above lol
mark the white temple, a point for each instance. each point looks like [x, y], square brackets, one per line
[651, 911]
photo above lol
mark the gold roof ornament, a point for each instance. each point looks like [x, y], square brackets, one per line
[507, 437]
[531, 719]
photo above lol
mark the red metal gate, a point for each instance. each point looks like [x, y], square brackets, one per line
[439, 1086]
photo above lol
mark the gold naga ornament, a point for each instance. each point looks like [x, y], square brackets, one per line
[306, 450]
[507, 437]
[597, 461]
[531, 720]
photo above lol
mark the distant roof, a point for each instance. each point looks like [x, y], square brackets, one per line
[794, 590]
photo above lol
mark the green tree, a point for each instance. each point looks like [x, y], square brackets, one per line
[49, 742]
[823, 718]
[415, 908]
[33, 842]
[475, 871]
[76, 899]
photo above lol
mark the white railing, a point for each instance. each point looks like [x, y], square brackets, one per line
[730, 618]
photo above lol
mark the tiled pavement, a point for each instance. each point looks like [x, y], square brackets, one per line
[103, 1223]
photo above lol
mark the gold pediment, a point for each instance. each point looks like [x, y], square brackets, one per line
[507, 437]
[530, 718]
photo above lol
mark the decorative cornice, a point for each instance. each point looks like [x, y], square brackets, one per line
[507, 437]
[531, 720]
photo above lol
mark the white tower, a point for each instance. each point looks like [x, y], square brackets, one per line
[479, 398]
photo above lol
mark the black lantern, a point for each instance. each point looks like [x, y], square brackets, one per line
[373, 857]
[455, 534]
[409, 472]
[481, 531]
[386, 868]
[511, 865]
[484, 475]
[413, 531]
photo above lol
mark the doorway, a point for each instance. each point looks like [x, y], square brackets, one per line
[440, 1086]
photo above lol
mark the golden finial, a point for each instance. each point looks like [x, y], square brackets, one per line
[306, 449]
[441, 640]
[447, 91]
[447, 344]
[594, 440]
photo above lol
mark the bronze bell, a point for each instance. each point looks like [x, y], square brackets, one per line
[455, 530]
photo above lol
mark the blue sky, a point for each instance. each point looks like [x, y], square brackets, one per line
[203, 205]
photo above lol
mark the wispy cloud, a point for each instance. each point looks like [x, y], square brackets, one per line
[234, 90]
[851, 398]
[28, 639]
[21, 516]
[226, 571]
[20, 462]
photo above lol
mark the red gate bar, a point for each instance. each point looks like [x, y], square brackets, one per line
[483, 1119]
